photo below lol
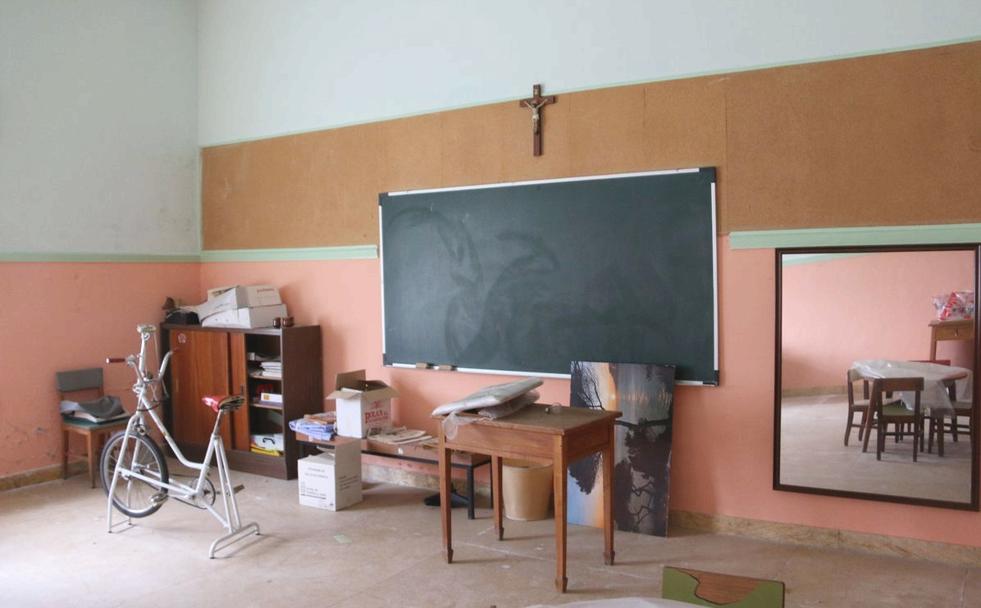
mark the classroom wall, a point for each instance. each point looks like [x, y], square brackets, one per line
[266, 71]
[98, 119]
[60, 316]
[722, 450]
[320, 189]
[98, 161]
[840, 309]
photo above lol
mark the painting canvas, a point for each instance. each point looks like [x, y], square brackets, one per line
[644, 393]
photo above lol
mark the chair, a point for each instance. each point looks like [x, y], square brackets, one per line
[858, 405]
[712, 589]
[76, 383]
[885, 413]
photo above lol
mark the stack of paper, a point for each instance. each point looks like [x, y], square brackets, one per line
[271, 369]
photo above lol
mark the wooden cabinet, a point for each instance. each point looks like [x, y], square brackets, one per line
[219, 361]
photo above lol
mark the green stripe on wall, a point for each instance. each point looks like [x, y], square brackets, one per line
[842, 237]
[114, 258]
[351, 252]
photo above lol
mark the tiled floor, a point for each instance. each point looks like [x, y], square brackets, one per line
[54, 551]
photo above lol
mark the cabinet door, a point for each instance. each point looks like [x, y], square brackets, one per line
[200, 365]
[240, 380]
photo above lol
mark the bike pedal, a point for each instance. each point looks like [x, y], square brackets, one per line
[159, 498]
[238, 488]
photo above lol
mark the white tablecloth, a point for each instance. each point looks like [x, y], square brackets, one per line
[934, 396]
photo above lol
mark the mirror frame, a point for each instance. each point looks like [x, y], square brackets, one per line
[973, 505]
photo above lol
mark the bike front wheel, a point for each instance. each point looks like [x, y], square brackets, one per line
[134, 496]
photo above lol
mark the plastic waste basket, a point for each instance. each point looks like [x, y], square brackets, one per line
[527, 490]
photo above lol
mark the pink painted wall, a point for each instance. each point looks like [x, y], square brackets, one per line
[57, 316]
[874, 306]
[722, 461]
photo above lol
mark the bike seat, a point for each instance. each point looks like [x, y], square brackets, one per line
[223, 402]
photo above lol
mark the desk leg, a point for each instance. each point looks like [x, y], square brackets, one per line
[65, 437]
[497, 477]
[560, 467]
[445, 497]
[608, 553]
[471, 494]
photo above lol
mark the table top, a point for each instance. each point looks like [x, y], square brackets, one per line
[424, 450]
[935, 379]
[547, 419]
[952, 322]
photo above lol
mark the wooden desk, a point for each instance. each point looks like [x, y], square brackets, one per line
[962, 329]
[539, 433]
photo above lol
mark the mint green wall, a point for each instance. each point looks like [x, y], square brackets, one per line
[270, 68]
[98, 119]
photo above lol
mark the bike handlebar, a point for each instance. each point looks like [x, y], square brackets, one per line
[115, 360]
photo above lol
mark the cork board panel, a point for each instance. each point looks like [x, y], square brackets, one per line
[685, 126]
[884, 140]
[410, 156]
[890, 139]
[607, 131]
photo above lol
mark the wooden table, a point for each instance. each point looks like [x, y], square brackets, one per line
[962, 329]
[538, 433]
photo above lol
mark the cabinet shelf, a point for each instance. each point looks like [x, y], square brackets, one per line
[267, 406]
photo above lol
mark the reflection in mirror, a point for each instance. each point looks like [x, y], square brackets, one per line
[867, 321]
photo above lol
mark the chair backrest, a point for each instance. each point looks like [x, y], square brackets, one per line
[79, 380]
[884, 386]
[713, 589]
[854, 376]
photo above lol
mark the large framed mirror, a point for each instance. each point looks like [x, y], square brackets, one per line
[877, 352]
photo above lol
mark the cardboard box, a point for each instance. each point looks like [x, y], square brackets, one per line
[246, 318]
[362, 404]
[234, 297]
[331, 480]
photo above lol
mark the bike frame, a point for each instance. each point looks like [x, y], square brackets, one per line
[195, 494]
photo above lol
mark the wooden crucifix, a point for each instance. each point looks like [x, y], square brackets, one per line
[537, 103]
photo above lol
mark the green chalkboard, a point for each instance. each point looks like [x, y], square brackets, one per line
[528, 277]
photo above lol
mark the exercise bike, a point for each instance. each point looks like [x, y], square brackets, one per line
[134, 470]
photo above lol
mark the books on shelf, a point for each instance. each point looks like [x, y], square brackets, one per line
[271, 369]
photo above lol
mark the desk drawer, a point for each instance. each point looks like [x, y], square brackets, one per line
[960, 331]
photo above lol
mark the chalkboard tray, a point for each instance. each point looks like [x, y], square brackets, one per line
[527, 277]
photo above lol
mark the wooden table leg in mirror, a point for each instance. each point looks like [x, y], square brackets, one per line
[445, 496]
[608, 553]
[560, 471]
[497, 486]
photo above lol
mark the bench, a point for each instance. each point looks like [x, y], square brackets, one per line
[424, 452]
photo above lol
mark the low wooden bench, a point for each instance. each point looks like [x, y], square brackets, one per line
[423, 452]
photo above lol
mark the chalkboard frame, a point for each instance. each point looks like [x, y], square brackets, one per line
[611, 176]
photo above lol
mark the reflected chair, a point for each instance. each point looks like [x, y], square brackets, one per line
[712, 589]
[885, 413]
[858, 406]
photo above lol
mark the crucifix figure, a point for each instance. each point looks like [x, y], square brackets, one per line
[537, 103]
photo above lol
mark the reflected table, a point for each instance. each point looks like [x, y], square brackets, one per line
[935, 397]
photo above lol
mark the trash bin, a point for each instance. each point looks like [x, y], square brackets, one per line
[527, 490]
